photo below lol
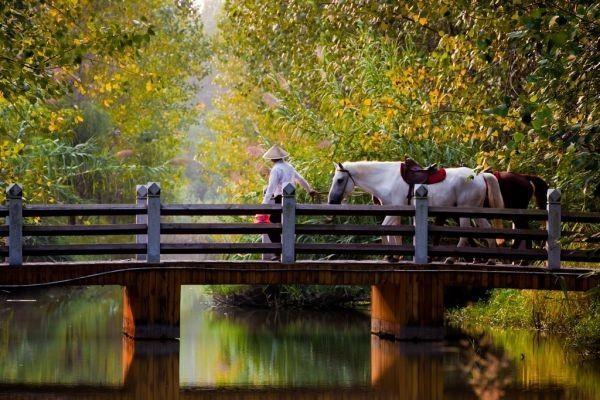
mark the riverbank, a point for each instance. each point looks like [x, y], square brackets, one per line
[574, 317]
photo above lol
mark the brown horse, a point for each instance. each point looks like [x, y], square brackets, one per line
[517, 190]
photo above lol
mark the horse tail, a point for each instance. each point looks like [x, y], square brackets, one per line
[495, 200]
[540, 190]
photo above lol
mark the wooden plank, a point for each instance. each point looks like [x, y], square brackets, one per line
[513, 254]
[220, 209]
[313, 229]
[480, 212]
[88, 230]
[83, 249]
[580, 216]
[303, 209]
[457, 231]
[219, 248]
[581, 255]
[256, 272]
[353, 248]
[58, 210]
[355, 229]
[353, 209]
[217, 228]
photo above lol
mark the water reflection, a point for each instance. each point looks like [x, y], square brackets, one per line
[264, 348]
[68, 345]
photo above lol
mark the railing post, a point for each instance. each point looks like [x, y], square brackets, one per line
[288, 224]
[153, 215]
[553, 227]
[141, 192]
[14, 196]
[421, 212]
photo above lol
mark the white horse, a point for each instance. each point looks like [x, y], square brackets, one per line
[462, 187]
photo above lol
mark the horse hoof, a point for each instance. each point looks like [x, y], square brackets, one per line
[449, 260]
[391, 259]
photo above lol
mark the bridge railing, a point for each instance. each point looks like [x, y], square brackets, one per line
[152, 219]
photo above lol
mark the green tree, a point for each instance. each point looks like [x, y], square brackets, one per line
[96, 95]
[508, 85]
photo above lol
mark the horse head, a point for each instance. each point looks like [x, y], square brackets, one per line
[341, 186]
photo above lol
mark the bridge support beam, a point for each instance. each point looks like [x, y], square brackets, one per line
[411, 309]
[151, 307]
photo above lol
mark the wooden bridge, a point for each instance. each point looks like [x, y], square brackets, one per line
[407, 297]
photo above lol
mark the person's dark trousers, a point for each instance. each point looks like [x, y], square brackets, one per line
[276, 219]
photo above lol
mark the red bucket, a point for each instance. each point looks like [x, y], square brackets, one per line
[262, 219]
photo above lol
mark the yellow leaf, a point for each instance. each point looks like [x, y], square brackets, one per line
[79, 118]
[149, 86]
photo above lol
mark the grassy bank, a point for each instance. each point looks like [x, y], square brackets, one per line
[576, 317]
[290, 296]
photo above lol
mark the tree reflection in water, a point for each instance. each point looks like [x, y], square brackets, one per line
[68, 345]
[487, 373]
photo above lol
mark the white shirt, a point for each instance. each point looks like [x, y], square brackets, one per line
[281, 174]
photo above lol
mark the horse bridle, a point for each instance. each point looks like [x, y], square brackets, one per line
[342, 169]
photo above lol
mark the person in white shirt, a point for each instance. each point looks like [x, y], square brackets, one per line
[281, 174]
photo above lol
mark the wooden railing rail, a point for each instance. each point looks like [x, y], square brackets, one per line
[150, 225]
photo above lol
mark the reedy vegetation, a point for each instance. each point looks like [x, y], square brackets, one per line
[95, 95]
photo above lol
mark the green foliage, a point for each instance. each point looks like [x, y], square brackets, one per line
[508, 85]
[576, 317]
[96, 96]
[290, 296]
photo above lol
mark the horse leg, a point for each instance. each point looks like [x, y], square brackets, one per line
[392, 240]
[463, 241]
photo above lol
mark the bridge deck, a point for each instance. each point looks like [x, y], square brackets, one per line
[341, 272]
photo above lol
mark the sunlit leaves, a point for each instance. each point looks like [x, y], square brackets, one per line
[98, 92]
[507, 85]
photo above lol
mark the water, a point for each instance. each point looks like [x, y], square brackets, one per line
[67, 344]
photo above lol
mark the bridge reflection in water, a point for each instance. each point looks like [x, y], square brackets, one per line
[398, 370]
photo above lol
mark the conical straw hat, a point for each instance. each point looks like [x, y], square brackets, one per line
[275, 153]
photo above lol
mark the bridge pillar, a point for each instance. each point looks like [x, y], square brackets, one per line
[412, 309]
[151, 306]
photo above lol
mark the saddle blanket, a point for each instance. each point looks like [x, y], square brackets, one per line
[437, 176]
